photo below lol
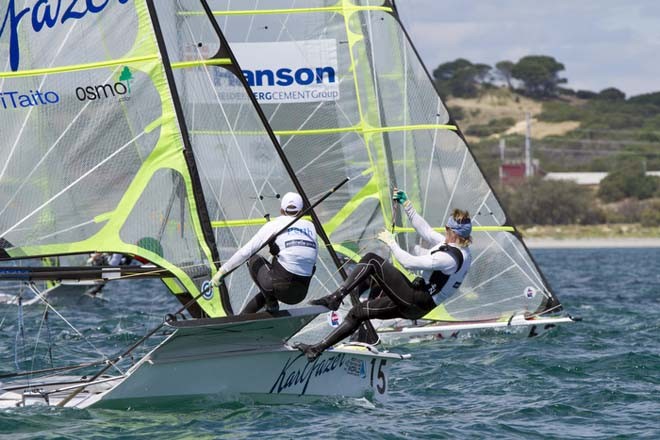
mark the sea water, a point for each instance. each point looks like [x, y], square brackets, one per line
[599, 378]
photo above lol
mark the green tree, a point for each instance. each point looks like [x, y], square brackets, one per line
[651, 214]
[127, 76]
[505, 72]
[539, 74]
[612, 94]
[548, 202]
[628, 179]
[647, 98]
[461, 78]
[586, 94]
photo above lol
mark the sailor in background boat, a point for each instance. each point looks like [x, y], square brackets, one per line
[443, 266]
[294, 252]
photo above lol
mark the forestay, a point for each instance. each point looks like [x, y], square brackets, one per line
[347, 94]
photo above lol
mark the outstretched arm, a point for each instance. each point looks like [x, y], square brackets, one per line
[246, 251]
[421, 226]
[438, 261]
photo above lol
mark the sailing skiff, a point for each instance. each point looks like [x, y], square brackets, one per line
[102, 106]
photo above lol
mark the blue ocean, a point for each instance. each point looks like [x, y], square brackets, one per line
[598, 378]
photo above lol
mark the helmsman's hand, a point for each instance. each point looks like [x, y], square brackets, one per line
[217, 278]
[399, 196]
[386, 237]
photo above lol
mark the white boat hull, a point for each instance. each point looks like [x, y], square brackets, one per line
[230, 359]
[274, 376]
[405, 331]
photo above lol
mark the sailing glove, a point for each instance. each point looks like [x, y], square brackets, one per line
[217, 278]
[399, 196]
[387, 237]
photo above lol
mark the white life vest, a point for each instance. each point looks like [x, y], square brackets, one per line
[297, 246]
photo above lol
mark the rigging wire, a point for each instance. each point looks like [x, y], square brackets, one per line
[20, 333]
[35, 290]
[36, 344]
[50, 337]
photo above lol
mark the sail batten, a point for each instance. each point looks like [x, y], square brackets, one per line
[77, 68]
[350, 8]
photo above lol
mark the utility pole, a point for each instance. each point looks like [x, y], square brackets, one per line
[529, 170]
[502, 147]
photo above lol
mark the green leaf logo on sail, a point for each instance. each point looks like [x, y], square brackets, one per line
[126, 76]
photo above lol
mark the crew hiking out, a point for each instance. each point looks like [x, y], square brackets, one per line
[443, 268]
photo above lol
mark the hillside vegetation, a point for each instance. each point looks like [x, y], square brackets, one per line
[571, 130]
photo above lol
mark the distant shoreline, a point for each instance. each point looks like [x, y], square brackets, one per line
[614, 235]
[591, 242]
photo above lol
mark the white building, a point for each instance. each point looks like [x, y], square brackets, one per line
[587, 178]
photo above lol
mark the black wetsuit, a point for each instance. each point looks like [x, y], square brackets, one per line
[275, 283]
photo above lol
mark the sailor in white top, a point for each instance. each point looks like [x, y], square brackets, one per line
[294, 251]
[443, 268]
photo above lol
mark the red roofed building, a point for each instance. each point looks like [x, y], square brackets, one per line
[513, 173]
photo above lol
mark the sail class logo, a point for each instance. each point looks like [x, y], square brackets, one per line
[16, 99]
[334, 319]
[121, 89]
[43, 14]
[530, 292]
[207, 290]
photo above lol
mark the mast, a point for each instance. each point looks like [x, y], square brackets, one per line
[389, 158]
[189, 155]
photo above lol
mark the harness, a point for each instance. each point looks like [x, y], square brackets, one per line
[437, 280]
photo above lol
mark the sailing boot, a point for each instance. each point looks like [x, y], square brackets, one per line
[332, 301]
[346, 328]
[272, 305]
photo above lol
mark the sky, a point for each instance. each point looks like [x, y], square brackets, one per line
[602, 43]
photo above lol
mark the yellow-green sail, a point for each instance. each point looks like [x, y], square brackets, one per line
[93, 155]
[347, 94]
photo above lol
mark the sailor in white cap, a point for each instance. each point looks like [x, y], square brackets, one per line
[294, 252]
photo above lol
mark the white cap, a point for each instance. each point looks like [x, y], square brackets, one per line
[292, 203]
